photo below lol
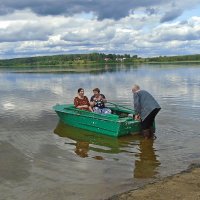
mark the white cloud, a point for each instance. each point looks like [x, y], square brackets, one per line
[24, 33]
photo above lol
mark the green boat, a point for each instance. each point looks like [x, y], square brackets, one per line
[117, 124]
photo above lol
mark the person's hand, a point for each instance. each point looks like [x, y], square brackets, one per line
[85, 106]
[103, 99]
[137, 117]
[91, 109]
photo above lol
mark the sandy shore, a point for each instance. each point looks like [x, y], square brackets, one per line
[182, 186]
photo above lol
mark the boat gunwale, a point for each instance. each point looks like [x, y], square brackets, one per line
[93, 115]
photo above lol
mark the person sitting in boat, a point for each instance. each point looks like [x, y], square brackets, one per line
[81, 101]
[97, 101]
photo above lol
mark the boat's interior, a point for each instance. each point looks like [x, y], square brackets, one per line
[121, 112]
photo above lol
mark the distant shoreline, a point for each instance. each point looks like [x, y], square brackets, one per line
[90, 65]
[94, 59]
[174, 62]
[45, 70]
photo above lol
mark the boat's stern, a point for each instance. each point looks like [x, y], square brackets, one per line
[129, 126]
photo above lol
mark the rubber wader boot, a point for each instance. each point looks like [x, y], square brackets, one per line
[153, 133]
[146, 133]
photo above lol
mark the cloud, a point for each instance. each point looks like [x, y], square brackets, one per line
[171, 15]
[109, 37]
[178, 31]
[102, 9]
[93, 33]
[147, 28]
[24, 32]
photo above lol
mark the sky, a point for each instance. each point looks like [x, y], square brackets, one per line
[146, 28]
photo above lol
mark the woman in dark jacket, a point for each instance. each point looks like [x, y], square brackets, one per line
[146, 108]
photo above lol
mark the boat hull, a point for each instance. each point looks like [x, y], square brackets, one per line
[107, 124]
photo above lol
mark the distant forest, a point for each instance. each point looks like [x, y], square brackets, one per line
[93, 58]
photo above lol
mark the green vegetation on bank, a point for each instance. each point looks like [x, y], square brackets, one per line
[91, 59]
[68, 59]
[184, 58]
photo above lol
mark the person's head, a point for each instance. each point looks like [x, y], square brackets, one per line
[81, 91]
[135, 88]
[96, 91]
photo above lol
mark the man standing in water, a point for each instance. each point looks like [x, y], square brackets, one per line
[146, 108]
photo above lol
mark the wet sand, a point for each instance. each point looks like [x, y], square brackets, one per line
[183, 186]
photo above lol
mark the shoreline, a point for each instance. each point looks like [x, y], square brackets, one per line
[184, 185]
[91, 64]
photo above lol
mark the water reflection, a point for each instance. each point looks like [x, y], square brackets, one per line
[85, 143]
[97, 69]
[82, 148]
[147, 161]
[26, 100]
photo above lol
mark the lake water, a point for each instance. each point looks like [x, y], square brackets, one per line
[43, 159]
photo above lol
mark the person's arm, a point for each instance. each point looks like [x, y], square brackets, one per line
[103, 98]
[76, 102]
[137, 106]
[90, 108]
[89, 105]
[92, 101]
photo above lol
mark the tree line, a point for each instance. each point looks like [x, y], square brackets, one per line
[93, 58]
[183, 58]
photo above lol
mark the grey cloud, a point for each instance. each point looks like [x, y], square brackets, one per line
[12, 53]
[184, 22]
[151, 11]
[26, 32]
[171, 15]
[96, 39]
[96, 36]
[180, 37]
[103, 9]
[5, 10]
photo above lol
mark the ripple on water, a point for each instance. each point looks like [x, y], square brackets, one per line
[98, 163]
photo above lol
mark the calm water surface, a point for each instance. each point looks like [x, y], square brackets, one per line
[44, 159]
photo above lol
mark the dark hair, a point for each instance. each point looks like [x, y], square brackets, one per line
[79, 89]
[96, 89]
